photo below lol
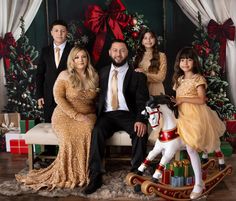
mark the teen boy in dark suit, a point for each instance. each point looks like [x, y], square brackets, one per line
[53, 60]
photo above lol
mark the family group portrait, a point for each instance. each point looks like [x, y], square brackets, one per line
[117, 100]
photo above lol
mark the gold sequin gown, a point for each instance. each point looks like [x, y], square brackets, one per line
[70, 168]
[198, 125]
[154, 79]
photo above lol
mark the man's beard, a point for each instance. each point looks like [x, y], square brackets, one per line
[118, 64]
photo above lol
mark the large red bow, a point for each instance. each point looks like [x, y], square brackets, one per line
[5, 44]
[96, 20]
[222, 32]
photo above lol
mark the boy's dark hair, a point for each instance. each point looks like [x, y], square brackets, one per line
[119, 41]
[58, 22]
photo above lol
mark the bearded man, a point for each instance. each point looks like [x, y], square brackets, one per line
[122, 98]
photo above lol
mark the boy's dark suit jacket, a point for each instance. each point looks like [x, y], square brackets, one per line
[134, 88]
[47, 73]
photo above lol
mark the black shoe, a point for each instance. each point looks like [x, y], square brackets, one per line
[221, 167]
[139, 173]
[94, 184]
[204, 160]
[137, 188]
[154, 180]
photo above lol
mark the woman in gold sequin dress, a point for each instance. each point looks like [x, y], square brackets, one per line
[73, 119]
[198, 126]
[151, 62]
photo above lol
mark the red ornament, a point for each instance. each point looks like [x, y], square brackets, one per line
[135, 34]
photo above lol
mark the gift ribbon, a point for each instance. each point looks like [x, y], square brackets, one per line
[97, 21]
[222, 32]
[26, 125]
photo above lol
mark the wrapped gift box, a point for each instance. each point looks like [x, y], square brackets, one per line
[12, 135]
[177, 181]
[231, 126]
[166, 176]
[189, 181]
[25, 125]
[181, 155]
[226, 148]
[9, 122]
[18, 147]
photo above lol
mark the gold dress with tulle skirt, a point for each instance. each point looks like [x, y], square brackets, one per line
[198, 125]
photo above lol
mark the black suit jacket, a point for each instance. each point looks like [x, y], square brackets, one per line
[134, 88]
[47, 73]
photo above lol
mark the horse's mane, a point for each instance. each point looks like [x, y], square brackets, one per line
[162, 99]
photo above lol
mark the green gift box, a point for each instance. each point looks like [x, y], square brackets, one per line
[37, 149]
[25, 125]
[178, 171]
[226, 148]
[181, 155]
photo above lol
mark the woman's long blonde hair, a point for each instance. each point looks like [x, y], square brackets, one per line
[90, 73]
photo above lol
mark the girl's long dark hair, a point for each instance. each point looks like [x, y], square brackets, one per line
[185, 53]
[155, 61]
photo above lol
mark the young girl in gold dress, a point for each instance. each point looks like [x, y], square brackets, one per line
[151, 62]
[73, 119]
[198, 126]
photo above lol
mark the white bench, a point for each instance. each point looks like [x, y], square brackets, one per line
[42, 134]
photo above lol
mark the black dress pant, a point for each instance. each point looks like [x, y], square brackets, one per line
[105, 126]
[48, 111]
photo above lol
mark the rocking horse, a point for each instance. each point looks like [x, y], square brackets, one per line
[168, 143]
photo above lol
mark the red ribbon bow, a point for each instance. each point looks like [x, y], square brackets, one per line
[222, 32]
[96, 20]
[5, 44]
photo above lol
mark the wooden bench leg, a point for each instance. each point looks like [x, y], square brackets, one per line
[30, 156]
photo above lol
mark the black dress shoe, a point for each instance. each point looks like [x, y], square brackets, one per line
[221, 167]
[204, 160]
[139, 173]
[154, 180]
[94, 184]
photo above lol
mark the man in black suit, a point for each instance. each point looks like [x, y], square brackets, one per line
[126, 115]
[49, 69]
[53, 60]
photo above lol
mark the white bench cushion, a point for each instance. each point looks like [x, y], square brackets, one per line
[43, 134]
[119, 138]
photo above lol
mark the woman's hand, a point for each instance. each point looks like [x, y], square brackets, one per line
[140, 70]
[40, 103]
[82, 117]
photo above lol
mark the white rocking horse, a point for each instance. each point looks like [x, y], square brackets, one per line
[157, 108]
[162, 108]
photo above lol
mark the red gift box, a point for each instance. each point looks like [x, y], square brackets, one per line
[231, 126]
[18, 147]
[166, 176]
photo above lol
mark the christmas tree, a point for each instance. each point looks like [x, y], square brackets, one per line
[20, 79]
[208, 51]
